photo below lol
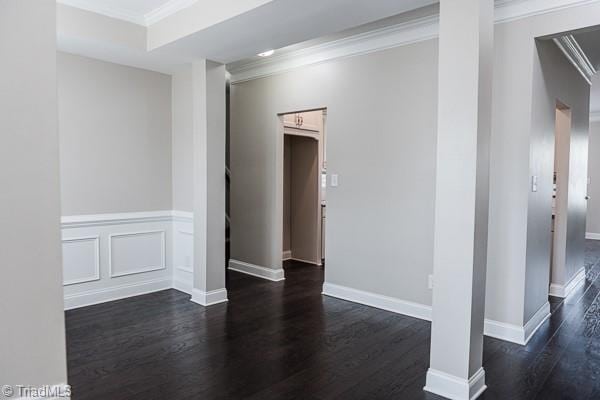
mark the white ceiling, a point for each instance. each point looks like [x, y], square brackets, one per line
[141, 12]
[271, 25]
[281, 23]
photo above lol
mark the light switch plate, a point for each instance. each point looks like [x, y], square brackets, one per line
[534, 183]
[334, 180]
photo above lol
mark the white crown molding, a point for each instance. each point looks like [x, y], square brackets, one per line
[409, 32]
[166, 10]
[363, 43]
[575, 54]
[121, 13]
[124, 14]
[594, 117]
[511, 10]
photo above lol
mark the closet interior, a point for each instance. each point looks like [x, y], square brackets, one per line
[304, 183]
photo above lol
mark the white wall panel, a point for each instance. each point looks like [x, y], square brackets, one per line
[136, 252]
[81, 259]
[127, 254]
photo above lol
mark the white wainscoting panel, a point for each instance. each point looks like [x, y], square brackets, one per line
[81, 259]
[112, 256]
[136, 252]
[183, 251]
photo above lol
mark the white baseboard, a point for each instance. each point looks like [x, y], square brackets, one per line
[592, 236]
[274, 275]
[182, 286]
[534, 323]
[503, 331]
[319, 264]
[392, 304]
[96, 296]
[499, 330]
[515, 333]
[209, 298]
[453, 387]
[49, 392]
[563, 291]
[286, 255]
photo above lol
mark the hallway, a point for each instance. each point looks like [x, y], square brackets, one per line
[285, 341]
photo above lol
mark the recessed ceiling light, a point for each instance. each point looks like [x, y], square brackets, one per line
[266, 53]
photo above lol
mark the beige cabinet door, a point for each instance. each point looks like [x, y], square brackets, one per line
[309, 121]
[291, 120]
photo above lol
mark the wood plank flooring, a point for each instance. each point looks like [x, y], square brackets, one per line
[286, 341]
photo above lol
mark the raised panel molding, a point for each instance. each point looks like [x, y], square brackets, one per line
[98, 274]
[184, 251]
[67, 258]
[142, 251]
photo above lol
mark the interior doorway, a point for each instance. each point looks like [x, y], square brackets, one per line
[304, 187]
[560, 196]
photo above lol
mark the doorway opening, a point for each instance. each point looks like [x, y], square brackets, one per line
[304, 186]
[560, 193]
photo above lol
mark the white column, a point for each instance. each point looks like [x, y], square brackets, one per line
[461, 209]
[32, 335]
[208, 81]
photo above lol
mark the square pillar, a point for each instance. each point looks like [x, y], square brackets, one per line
[461, 209]
[208, 92]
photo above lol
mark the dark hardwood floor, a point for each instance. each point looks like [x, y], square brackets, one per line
[286, 341]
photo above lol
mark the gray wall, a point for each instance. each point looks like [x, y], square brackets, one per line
[555, 79]
[183, 153]
[32, 336]
[593, 212]
[215, 175]
[381, 142]
[522, 146]
[115, 137]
